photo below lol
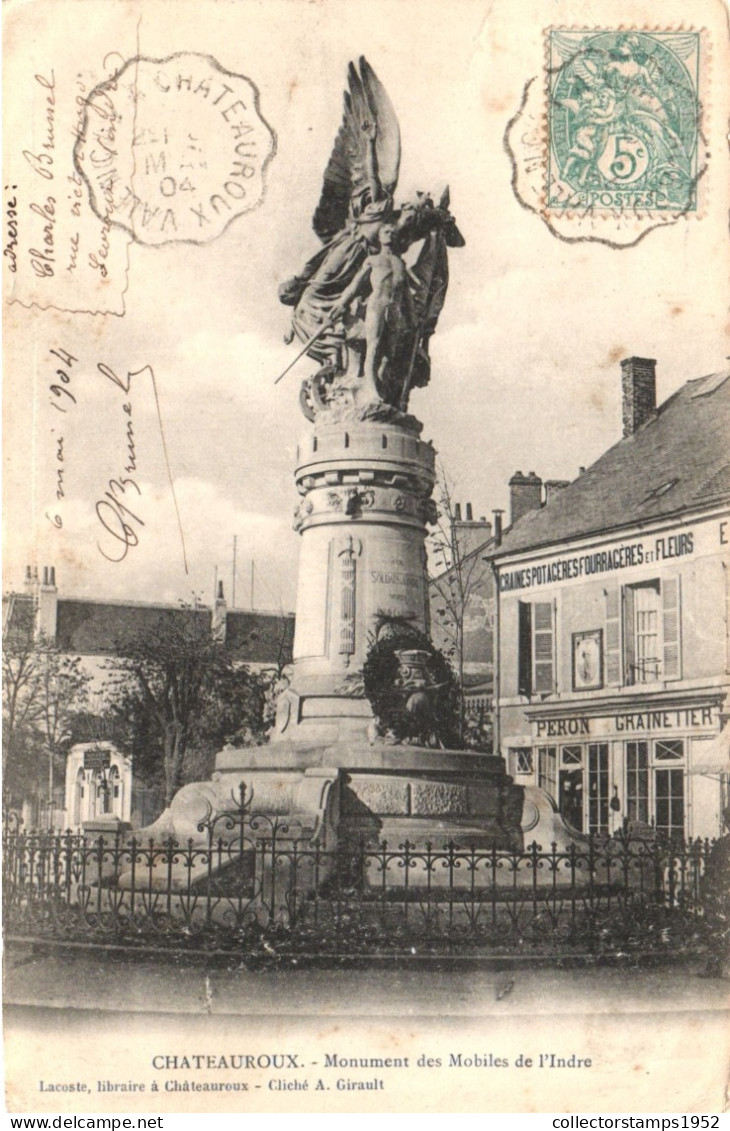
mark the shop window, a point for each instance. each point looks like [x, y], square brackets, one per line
[536, 644]
[572, 756]
[598, 787]
[546, 777]
[643, 632]
[571, 787]
[669, 750]
[670, 802]
[655, 788]
[520, 760]
[669, 787]
[637, 782]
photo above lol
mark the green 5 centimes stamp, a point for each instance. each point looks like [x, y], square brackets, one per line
[623, 117]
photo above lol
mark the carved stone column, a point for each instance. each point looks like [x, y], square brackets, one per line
[365, 493]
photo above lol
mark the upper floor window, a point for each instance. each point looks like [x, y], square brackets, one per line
[536, 674]
[643, 636]
[643, 632]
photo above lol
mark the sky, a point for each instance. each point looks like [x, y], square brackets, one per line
[525, 371]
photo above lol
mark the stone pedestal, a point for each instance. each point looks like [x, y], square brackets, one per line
[365, 488]
[325, 777]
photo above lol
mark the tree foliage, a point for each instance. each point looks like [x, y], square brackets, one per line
[178, 695]
[43, 692]
[461, 574]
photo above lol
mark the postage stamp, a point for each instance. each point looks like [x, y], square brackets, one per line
[623, 111]
[608, 141]
[172, 150]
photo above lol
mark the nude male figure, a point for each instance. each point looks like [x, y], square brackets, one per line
[389, 313]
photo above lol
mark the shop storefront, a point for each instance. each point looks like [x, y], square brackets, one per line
[655, 765]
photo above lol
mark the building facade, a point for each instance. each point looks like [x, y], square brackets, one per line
[614, 650]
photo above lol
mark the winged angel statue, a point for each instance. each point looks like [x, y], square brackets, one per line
[361, 311]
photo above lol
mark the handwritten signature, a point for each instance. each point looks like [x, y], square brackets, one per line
[112, 510]
[117, 507]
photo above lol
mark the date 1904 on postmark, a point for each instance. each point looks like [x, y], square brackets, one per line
[623, 120]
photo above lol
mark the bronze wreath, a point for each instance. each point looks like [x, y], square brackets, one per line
[380, 681]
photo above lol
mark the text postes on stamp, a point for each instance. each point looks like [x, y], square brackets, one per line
[174, 149]
[608, 146]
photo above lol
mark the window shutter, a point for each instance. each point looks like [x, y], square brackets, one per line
[671, 629]
[613, 637]
[524, 647]
[629, 630]
[727, 615]
[542, 635]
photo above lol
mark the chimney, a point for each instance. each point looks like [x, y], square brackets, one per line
[29, 584]
[218, 616]
[638, 385]
[553, 487]
[47, 611]
[498, 526]
[525, 493]
[469, 533]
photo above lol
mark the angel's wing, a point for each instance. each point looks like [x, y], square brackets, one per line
[565, 47]
[683, 45]
[350, 170]
[588, 68]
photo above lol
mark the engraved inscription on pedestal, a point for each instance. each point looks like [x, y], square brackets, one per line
[395, 583]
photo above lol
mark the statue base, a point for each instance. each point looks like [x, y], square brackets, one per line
[332, 801]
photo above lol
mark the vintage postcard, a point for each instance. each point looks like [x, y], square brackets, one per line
[367, 532]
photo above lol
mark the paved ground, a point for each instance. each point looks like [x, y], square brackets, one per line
[109, 981]
[626, 1039]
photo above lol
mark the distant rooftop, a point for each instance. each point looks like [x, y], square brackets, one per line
[92, 627]
[676, 463]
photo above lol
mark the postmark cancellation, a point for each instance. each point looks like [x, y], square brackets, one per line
[172, 150]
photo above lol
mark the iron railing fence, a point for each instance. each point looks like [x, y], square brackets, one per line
[252, 883]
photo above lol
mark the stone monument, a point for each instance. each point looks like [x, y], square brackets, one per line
[363, 310]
